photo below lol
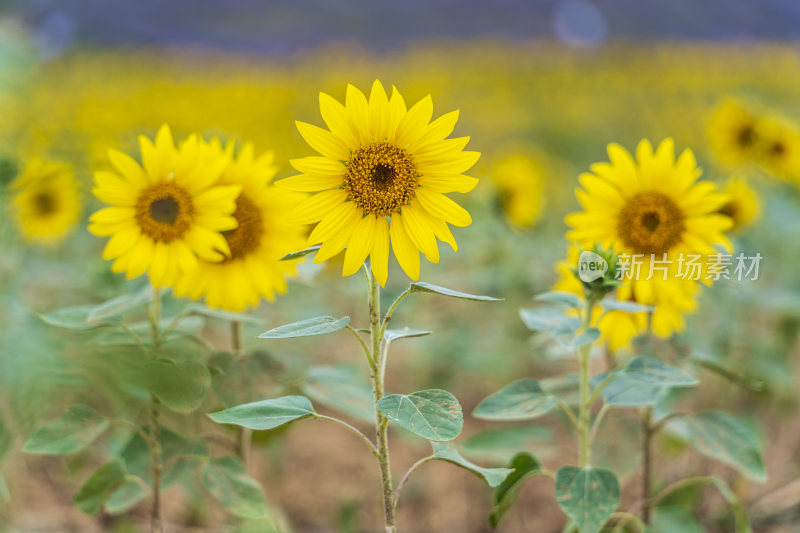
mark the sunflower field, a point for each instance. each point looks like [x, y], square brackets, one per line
[350, 267]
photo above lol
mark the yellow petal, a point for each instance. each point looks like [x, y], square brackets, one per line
[128, 167]
[358, 113]
[318, 166]
[436, 131]
[379, 256]
[340, 217]
[309, 183]
[323, 141]
[404, 250]
[412, 126]
[317, 207]
[362, 239]
[421, 233]
[335, 116]
[443, 207]
[458, 183]
[378, 108]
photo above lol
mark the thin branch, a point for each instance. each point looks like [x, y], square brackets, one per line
[355, 430]
[175, 458]
[408, 475]
[599, 389]
[570, 414]
[628, 518]
[658, 426]
[130, 425]
[597, 421]
[363, 345]
[392, 308]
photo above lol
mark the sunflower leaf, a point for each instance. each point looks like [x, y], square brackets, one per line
[305, 328]
[447, 451]
[241, 495]
[421, 286]
[301, 253]
[266, 414]
[78, 427]
[521, 400]
[588, 496]
[433, 414]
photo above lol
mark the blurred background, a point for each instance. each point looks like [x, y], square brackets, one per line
[543, 87]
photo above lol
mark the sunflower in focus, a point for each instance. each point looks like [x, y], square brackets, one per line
[167, 212]
[253, 270]
[743, 206]
[779, 148]
[383, 174]
[46, 202]
[732, 133]
[519, 184]
[652, 206]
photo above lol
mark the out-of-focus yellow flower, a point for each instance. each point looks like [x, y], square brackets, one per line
[732, 133]
[166, 214]
[46, 202]
[263, 235]
[381, 163]
[778, 147]
[743, 206]
[519, 183]
[654, 207]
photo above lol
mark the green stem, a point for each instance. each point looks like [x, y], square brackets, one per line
[647, 461]
[408, 475]
[155, 457]
[245, 434]
[353, 429]
[377, 375]
[584, 413]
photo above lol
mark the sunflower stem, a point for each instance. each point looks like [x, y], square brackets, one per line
[154, 443]
[584, 422]
[245, 434]
[377, 374]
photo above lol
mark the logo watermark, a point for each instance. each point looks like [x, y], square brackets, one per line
[591, 266]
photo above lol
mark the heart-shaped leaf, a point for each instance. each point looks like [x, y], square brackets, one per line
[500, 444]
[119, 305]
[588, 496]
[550, 320]
[421, 286]
[98, 488]
[78, 427]
[393, 334]
[447, 451]
[75, 318]
[561, 298]
[266, 414]
[726, 438]
[342, 389]
[432, 414]
[522, 466]
[226, 479]
[181, 385]
[623, 391]
[649, 370]
[521, 400]
[571, 340]
[305, 328]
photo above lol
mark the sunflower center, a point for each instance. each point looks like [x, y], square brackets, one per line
[746, 136]
[381, 178]
[777, 149]
[247, 235]
[650, 223]
[164, 211]
[45, 203]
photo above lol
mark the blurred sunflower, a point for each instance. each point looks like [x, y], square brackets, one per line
[743, 206]
[46, 202]
[732, 133]
[261, 238]
[519, 185]
[166, 214]
[652, 206]
[779, 147]
[381, 163]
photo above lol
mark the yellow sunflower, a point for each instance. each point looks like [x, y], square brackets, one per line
[518, 179]
[384, 171]
[655, 208]
[261, 238]
[166, 213]
[778, 147]
[46, 203]
[743, 206]
[732, 133]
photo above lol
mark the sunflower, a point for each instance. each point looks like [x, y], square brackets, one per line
[732, 133]
[165, 214]
[744, 205]
[653, 207]
[46, 203]
[519, 184]
[778, 147]
[261, 238]
[383, 175]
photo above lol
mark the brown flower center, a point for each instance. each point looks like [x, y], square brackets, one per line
[381, 178]
[746, 136]
[45, 203]
[650, 223]
[247, 235]
[164, 211]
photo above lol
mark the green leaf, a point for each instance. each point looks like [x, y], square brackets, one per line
[421, 286]
[119, 305]
[5, 494]
[74, 318]
[98, 488]
[729, 439]
[202, 310]
[78, 427]
[433, 414]
[523, 466]
[672, 519]
[568, 339]
[549, 320]
[343, 389]
[447, 451]
[6, 438]
[301, 253]
[226, 479]
[393, 334]
[521, 400]
[502, 443]
[305, 328]
[624, 391]
[588, 496]
[560, 297]
[609, 304]
[649, 370]
[266, 414]
[565, 387]
[181, 385]
[125, 497]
